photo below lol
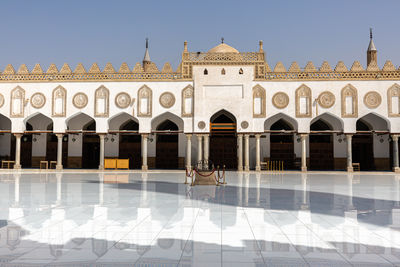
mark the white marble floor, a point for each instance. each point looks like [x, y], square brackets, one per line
[153, 219]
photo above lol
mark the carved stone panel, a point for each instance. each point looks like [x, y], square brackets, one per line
[144, 102]
[38, 100]
[258, 102]
[349, 105]
[122, 100]
[326, 99]
[80, 100]
[17, 105]
[372, 99]
[187, 101]
[1, 100]
[101, 104]
[303, 102]
[393, 96]
[167, 99]
[280, 100]
[59, 102]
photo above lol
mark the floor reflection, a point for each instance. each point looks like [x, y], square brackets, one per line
[153, 219]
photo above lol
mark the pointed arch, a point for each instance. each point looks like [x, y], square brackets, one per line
[393, 96]
[187, 101]
[59, 103]
[120, 119]
[280, 116]
[375, 122]
[17, 105]
[205, 72]
[144, 102]
[223, 72]
[101, 102]
[39, 121]
[334, 122]
[303, 102]
[349, 101]
[5, 123]
[258, 102]
[155, 122]
[220, 114]
[78, 121]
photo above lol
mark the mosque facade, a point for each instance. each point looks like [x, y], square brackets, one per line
[225, 106]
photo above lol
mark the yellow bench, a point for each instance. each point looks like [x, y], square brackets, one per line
[116, 164]
[123, 164]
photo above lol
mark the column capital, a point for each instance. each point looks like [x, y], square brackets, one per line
[59, 135]
[18, 134]
[145, 134]
[257, 135]
[395, 137]
[189, 136]
[303, 135]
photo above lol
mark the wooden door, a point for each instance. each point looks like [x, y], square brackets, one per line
[26, 151]
[223, 150]
[321, 152]
[130, 148]
[167, 151]
[363, 151]
[90, 152]
[282, 149]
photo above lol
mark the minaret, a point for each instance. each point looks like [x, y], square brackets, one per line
[146, 59]
[372, 53]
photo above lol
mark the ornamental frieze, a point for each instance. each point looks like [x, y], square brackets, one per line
[372, 99]
[80, 100]
[280, 100]
[38, 100]
[122, 100]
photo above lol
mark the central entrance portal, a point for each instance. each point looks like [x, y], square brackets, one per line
[223, 146]
[167, 146]
[282, 148]
[321, 147]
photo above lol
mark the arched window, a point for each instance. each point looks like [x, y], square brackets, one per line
[59, 102]
[303, 102]
[17, 102]
[349, 102]
[240, 71]
[101, 104]
[144, 101]
[393, 96]
[258, 102]
[223, 71]
[205, 72]
[187, 101]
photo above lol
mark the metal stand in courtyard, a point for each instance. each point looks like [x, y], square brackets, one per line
[204, 173]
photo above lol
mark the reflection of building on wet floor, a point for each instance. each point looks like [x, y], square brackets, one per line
[222, 105]
[151, 218]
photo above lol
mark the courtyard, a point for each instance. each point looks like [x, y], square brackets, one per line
[107, 218]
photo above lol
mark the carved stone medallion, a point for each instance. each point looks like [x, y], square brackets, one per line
[244, 124]
[1, 100]
[122, 100]
[326, 99]
[280, 100]
[372, 99]
[38, 100]
[167, 99]
[201, 125]
[80, 100]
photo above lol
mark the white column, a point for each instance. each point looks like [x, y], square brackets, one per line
[59, 165]
[101, 165]
[144, 152]
[188, 151]
[240, 151]
[17, 164]
[258, 163]
[206, 147]
[246, 152]
[303, 152]
[395, 145]
[349, 153]
[199, 148]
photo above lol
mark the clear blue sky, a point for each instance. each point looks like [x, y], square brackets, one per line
[114, 31]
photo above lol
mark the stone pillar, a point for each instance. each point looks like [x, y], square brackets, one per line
[240, 151]
[199, 147]
[101, 165]
[349, 153]
[59, 165]
[206, 147]
[303, 152]
[258, 152]
[246, 152]
[144, 152]
[17, 164]
[395, 144]
[189, 152]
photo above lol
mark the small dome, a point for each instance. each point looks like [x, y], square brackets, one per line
[223, 48]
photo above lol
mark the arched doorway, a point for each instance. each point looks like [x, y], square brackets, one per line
[167, 145]
[281, 144]
[363, 147]
[90, 147]
[26, 148]
[130, 144]
[223, 143]
[321, 146]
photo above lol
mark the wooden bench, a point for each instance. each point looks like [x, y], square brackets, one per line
[123, 164]
[53, 163]
[7, 163]
[110, 163]
[44, 163]
[356, 167]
